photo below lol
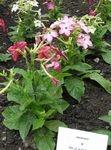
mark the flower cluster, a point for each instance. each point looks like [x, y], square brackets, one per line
[52, 56]
[65, 27]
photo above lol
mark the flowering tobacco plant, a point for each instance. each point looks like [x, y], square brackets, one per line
[72, 37]
[56, 60]
[36, 93]
[28, 21]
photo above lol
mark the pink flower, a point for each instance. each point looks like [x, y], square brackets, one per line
[50, 35]
[50, 5]
[55, 65]
[92, 12]
[16, 49]
[66, 26]
[52, 56]
[37, 38]
[55, 81]
[44, 52]
[55, 25]
[2, 24]
[84, 27]
[84, 40]
[65, 29]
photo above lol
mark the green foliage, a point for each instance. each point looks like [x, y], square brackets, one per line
[75, 87]
[4, 57]
[36, 102]
[28, 15]
[104, 9]
[44, 139]
[1, 1]
[55, 13]
[106, 118]
[53, 125]
[107, 56]
[106, 84]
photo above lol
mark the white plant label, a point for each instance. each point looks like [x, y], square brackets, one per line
[72, 139]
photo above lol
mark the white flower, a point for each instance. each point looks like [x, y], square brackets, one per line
[39, 12]
[38, 23]
[15, 8]
[33, 3]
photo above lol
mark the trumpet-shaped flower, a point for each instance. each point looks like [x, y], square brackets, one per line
[50, 35]
[84, 27]
[92, 12]
[65, 25]
[52, 56]
[55, 81]
[84, 40]
[16, 49]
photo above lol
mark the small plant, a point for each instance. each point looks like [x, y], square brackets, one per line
[106, 118]
[72, 36]
[36, 96]
[104, 9]
[54, 9]
[28, 21]
[100, 46]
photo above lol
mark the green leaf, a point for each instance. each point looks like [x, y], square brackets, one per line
[4, 57]
[17, 94]
[60, 105]
[106, 84]
[83, 67]
[20, 71]
[44, 139]
[53, 125]
[38, 123]
[107, 56]
[25, 123]
[109, 25]
[106, 118]
[75, 87]
[105, 132]
[12, 115]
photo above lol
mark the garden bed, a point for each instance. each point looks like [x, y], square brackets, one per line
[84, 115]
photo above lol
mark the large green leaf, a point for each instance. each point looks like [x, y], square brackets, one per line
[82, 67]
[75, 87]
[60, 105]
[107, 56]
[17, 95]
[12, 115]
[53, 125]
[106, 84]
[105, 132]
[44, 139]
[25, 123]
[38, 123]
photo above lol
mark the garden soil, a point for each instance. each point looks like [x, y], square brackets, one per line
[84, 115]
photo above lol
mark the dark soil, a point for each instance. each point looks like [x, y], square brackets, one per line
[95, 103]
